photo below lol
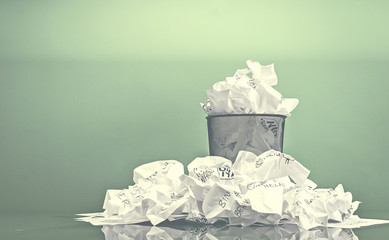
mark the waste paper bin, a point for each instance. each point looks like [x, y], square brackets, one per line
[257, 133]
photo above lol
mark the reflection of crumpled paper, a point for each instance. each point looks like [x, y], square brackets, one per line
[186, 231]
[268, 189]
[249, 91]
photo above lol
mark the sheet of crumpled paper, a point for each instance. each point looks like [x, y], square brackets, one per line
[270, 189]
[249, 91]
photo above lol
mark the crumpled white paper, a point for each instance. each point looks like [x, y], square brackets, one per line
[249, 91]
[268, 189]
[157, 193]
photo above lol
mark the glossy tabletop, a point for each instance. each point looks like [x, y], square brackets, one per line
[62, 226]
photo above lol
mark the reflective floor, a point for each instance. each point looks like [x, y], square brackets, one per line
[57, 226]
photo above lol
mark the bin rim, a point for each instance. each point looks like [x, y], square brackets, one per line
[247, 114]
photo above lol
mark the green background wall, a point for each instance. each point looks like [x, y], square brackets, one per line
[91, 89]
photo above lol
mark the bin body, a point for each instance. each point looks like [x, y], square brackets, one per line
[257, 133]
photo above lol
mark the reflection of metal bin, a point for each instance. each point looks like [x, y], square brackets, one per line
[257, 133]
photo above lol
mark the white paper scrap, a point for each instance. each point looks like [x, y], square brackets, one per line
[356, 222]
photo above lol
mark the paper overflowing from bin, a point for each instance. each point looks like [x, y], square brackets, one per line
[249, 91]
[270, 189]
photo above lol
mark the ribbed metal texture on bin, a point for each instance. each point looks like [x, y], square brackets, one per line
[257, 133]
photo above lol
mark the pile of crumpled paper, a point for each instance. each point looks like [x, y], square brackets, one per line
[268, 189]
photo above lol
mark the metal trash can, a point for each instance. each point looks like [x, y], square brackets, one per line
[257, 133]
